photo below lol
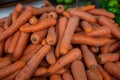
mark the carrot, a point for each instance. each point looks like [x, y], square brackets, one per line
[104, 21]
[51, 37]
[117, 63]
[52, 15]
[43, 24]
[44, 42]
[14, 42]
[109, 57]
[40, 78]
[30, 54]
[5, 62]
[38, 36]
[83, 15]
[102, 13]
[67, 76]
[41, 71]
[66, 14]
[86, 26]
[44, 15]
[25, 16]
[95, 25]
[89, 57]
[1, 43]
[44, 63]
[20, 45]
[61, 29]
[33, 20]
[78, 70]
[87, 8]
[11, 69]
[8, 22]
[16, 12]
[32, 65]
[50, 57]
[94, 49]
[48, 3]
[55, 77]
[112, 69]
[59, 9]
[72, 24]
[79, 38]
[98, 74]
[66, 59]
[62, 71]
[2, 20]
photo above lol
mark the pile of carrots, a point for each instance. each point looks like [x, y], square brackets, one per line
[49, 43]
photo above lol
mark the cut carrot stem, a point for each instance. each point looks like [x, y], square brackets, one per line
[94, 49]
[59, 9]
[52, 15]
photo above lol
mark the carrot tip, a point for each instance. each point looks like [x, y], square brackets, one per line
[93, 66]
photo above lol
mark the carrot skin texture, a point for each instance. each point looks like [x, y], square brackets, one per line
[66, 14]
[44, 15]
[98, 74]
[2, 43]
[32, 65]
[87, 8]
[55, 77]
[67, 76]
[48, 3]
[114, 46]
[33, 20]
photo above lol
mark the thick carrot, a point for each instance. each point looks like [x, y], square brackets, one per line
[50, 57]
[61, 29]
[86, 26]
[32, 65]
[14, 42]
[94, 49]
[44, 42]
[33, 20]
[25, 16]
[98, 74]
[44, 63]
[101, 13]
[38, 36]
[89, 57]
[20, 45]
[79, 38]
[112, 69]
[62, 71]
[66, 59]
[52, 15]
[67, 76]
[118, 63]
[87, 8]
[8, 22]
[5, 62]
[40, 78]
[43, 24]
[41, 71]
[51, 36]
[66, 14]
[59, 9]
[44, 15]
[78, 70]
[1, 43]
[11, 68]
[72, 24]
[55, 77]
[109, 57]
[83, 15]
[30, 54]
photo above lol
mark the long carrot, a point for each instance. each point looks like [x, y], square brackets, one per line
[51, 36]
[87, 8]
[43, 24]
[44, 15]
[67, 76]
[72, 24]
[78, 70]
[59, 9]
[52, 15]
[66, 14]
[11, 68]
[83, 15]
[1, 43]
[32, 65]
[66, 59]
[38, 36]
[48, 3]
[33, 20]
[89, 57]
[55, 77]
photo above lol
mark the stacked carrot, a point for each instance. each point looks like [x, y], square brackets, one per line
[49, 43]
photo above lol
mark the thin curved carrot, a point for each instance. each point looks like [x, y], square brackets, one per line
[2, 43]
[52, 15]
[87, 8]
[44, 15]
[67, 76]
[66, 14]
[55, 77]
[48, 3]
[59, 9]
[33, 20]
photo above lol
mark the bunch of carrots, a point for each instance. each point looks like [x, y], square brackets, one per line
[49, 43]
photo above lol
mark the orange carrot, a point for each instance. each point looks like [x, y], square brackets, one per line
[98, 74]
[38, 36]
[67, 76]
[2, 20]
[67, 37]
[94, 49]
[55, 77]
[101, 13]
[79, 38]
[50, 57]
[66, 14]
[8, 22]
[48, 3]
[89, 57]
[32, 65]
[33, 20]
[39, 78]
[52, 15]
[109, 57]
[14, 42]
[66, 59]
[25, 16]
[112, 69]
[11, 68]
[60, 9]
[61, 29]
[20, 45]
[86, 26]
[78, 70]
[62, 71]
[51, 37]
[87, 8]
[43, 24]
[41, 71]
[83, 15]
[44, 42]
[1, 43]
[44, 15]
